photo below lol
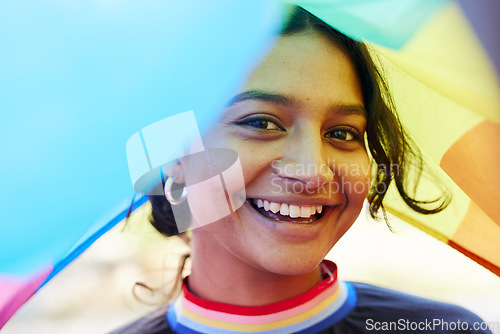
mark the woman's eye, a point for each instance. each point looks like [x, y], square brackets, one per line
[342, 134]
[263, 124]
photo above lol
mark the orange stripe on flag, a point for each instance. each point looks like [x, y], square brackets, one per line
[473, 163]
[478, 237]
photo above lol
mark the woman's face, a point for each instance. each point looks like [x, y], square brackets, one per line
[298, 128]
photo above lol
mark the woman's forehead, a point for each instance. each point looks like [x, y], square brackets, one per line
[307, 66]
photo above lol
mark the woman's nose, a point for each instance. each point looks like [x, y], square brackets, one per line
[305, 160]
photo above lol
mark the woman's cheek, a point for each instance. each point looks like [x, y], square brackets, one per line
[214, 183]
[357, 179]
[256, 161]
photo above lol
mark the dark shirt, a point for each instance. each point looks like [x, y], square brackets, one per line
[378, 310]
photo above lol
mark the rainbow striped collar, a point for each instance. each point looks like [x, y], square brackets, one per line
[313, 311]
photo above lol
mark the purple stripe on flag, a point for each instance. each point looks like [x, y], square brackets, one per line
[483, 16]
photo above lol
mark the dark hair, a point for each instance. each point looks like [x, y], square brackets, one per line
[389, 145]
[162, 217]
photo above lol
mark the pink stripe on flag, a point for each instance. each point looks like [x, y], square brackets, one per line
[15, 291]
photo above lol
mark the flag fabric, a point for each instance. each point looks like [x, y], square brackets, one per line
[78, 79]
[455, 119]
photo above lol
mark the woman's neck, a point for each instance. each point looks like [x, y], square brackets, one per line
[224, 278]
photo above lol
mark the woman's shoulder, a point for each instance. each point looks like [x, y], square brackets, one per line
[378, 308]
[153, 323]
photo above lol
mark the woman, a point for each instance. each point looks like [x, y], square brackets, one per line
[300, 127]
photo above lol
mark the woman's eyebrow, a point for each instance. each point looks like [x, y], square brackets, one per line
[261, 96]
[345, 109]
[349, 109]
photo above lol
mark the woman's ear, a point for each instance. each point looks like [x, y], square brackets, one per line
[174, 169]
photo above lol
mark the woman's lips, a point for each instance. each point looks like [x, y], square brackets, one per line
[287, 212]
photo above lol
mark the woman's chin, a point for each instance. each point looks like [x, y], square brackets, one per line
[289, 263]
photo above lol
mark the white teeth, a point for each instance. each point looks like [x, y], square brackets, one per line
[305, 211]
[275, 207]
[294, 211]
[284, 209]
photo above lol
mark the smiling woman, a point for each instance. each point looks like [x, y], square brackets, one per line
[301, 127]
